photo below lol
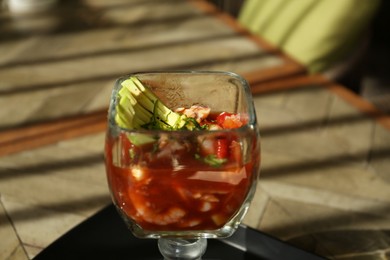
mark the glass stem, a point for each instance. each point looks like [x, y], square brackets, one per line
[179, 248]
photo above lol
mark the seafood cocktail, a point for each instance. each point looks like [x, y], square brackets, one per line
[182, 155]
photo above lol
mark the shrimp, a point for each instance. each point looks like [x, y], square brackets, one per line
[208, 202]
[198, 112]
[148, 213]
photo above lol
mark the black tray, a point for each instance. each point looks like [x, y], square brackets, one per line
[105, 236]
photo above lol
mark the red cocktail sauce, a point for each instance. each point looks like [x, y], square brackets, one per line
[174, 190]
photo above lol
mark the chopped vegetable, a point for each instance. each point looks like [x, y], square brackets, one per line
[138, 107]
[228, 120]
[222, 148]
[211, 160]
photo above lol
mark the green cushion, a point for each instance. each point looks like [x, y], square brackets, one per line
[318, 33]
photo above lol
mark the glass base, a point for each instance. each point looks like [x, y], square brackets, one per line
[178, 248]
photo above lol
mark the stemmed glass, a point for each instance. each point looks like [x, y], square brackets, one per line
[162, 183]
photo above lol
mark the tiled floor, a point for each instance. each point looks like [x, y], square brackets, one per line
[377, 92]
[47, 191]
[324, 184]
[325, 178]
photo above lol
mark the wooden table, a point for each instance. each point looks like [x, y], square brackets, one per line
[324, 184]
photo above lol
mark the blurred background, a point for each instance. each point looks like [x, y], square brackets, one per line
[345, 40]
[324, 183]
[355, 34]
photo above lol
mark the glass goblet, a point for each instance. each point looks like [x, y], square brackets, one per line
[175, 186]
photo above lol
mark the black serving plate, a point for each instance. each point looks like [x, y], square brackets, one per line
[105, 236]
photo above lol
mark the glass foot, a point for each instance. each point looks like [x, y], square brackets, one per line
[178, 248]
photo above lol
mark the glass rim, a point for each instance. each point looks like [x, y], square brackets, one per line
[252, 120]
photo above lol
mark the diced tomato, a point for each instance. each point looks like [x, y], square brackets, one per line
[221, 117]
[218, 146]
[228, 120]
[221, 148]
